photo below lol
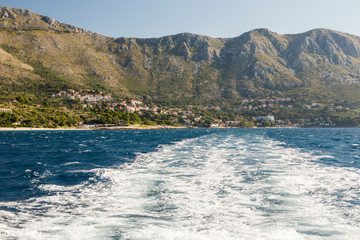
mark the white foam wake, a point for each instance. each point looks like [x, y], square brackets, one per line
[212, 187]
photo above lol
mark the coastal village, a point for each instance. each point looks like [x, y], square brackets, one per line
[191, 115]
[98, 109]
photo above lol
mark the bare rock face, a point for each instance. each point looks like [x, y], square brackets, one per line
[334, 47]
[50, 21]
[249, 44]
[6, 14]
[15, 13]
[188, 45]
[328, 42]
[26, 19]
[182, 50]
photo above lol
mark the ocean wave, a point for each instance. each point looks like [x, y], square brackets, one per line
[233, 185]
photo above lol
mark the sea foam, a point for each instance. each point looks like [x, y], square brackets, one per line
[218, 186]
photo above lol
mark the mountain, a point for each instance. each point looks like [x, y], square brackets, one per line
[38, 53]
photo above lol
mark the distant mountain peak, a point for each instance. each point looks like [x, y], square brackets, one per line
[12, 13]
[263, 31]
[25, 19]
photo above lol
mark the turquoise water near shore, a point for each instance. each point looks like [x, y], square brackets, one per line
[180, 184]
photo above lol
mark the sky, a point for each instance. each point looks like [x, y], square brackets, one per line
[215, 18]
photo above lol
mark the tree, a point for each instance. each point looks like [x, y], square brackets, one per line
[267, 123]
[14, 118]
[134, 118]
[20, 99]
[46, 104]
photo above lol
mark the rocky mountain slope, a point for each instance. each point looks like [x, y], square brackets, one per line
[38, 52]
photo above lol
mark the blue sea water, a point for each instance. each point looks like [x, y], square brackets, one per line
[180, 184]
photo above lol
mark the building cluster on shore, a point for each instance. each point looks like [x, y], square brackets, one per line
[106, 101]
[6, 110]
[255, 104]
[84, 96]
[193, 116]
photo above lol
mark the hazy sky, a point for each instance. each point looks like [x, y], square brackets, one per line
[221, 18]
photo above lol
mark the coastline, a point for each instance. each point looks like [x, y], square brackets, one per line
[38, 129]
[135, 127]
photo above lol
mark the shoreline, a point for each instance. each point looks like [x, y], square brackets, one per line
[3, 129]
[38, 129]
[136, 127]
[91, 129]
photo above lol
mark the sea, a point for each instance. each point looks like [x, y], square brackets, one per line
[180, 184]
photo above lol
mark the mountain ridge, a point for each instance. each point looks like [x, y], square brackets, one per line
[169, 68]
[30, 19]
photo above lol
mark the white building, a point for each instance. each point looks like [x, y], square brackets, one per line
[5, 110]
[268, 118]
[135, 103]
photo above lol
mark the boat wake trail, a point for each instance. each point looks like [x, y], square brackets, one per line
[218, 186]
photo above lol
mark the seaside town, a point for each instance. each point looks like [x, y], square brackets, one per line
[192, 115]
[256, 112]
